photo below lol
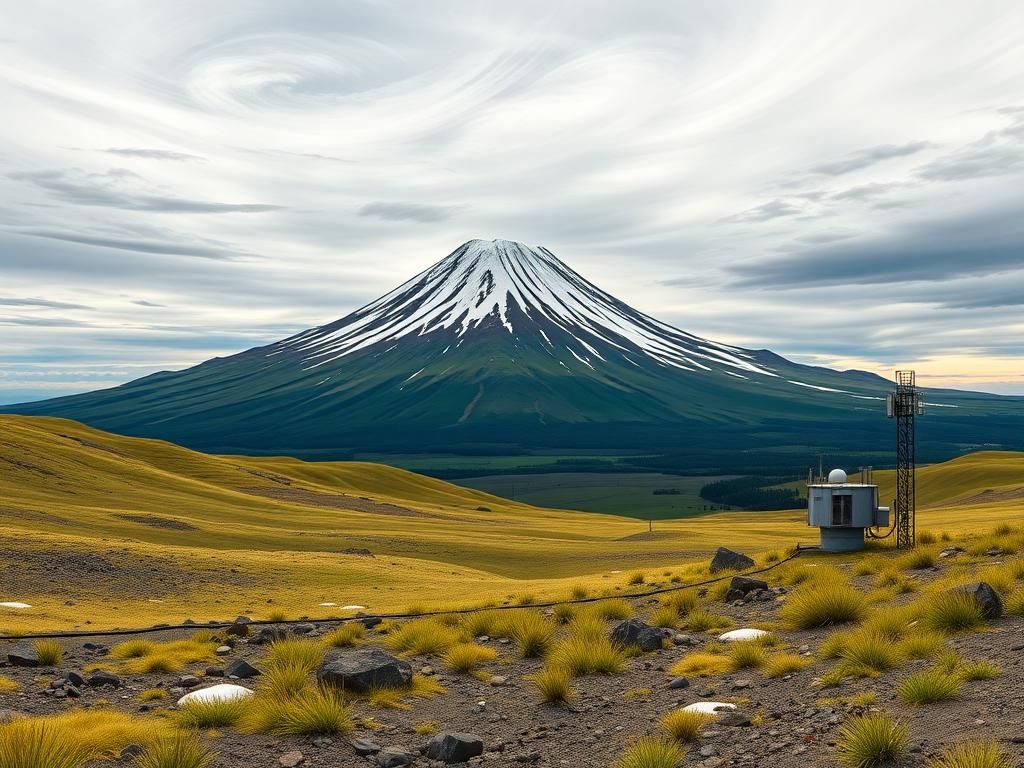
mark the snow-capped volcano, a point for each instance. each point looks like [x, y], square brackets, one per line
[500, 347]
[523, 288]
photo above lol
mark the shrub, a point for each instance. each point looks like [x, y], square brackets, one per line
[872, 740]
[30, 743]
[555, 685]
[346, 635]
[785, 664]
[684, 725]
[823, 604]
[701, 620]
[613, 610]
[465, 657]
[50, 652]
[423, 636]
[215, 713]
[747, 654]
[531, 632]
[952, 612]
[928, 687]
[978, 670]
[701, 664]
[179, 751]
[922, 645]
[650, 752]
[973, 754]
[296, 652]
[666, 617]
[587, 656]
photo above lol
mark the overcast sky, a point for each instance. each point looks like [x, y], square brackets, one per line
[842, 183]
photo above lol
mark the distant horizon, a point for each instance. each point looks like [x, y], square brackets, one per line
[839, 184]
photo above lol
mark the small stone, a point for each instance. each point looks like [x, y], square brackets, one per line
[455, 747]
[739, 685]
[189, 681]
[73, 692]
[23, 656]
[291, 759]
[365, 747]
[677, 683]
[214, 672]
[734, 720]
[224, 650]
[74, 679]
[498, 680]
[241, 669]
[395, 757]
[102, 677]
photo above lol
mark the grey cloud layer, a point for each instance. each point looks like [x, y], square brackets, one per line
[262, 169]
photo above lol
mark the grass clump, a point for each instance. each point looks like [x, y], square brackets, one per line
[918, 560]
[747, 654]
[869, 654]
[133, 649]
[466, 657]
[285, 679]
[296, 652]
[580, 655]
[50, 653]
[824, 604]
[978, 670]
[426, 728]
[785, 664]
[531, 632]
[317, 710]
[215, 713]
[952, 612]
[579, 591]
[871, 740]
[702, 620]
[554, 685]
[650, 752]
[683, 725]
[33, 743]
[181, 751]
[1014, 604]
[152, 694]
[683, 601]
[423, 636]
[7, 685]
[928, 687]
[701, 664]
[564, 612]
[613, 610]
[922, 645]
[973, 754]
[636, 578]
[483, 624]
[145, 657]
[346, 635]
[665, 617]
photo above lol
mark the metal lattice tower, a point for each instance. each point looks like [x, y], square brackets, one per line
[903, 405]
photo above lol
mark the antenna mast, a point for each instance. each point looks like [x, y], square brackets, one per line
[903, 405]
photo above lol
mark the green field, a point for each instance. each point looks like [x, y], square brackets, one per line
[630, 495]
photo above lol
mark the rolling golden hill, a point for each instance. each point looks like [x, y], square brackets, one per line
[124, 531]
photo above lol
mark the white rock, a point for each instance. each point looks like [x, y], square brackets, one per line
[747, 633]
[709, 707]
[327, 605]
[222, 692]
[353, 607]
[15, 604]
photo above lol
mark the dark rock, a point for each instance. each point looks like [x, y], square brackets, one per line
[189, 681]
[241, 629]
[266, 635]
[455, 747]
[987, 598]
[395, 757]
[676, 683]
[734, 719]
[371, 621]
[741, 586]
[361, 669]
[73, 692]
[360, 551]
[241, 669]
[727, 560]
[132, 750]
[102, 677]
[365, 747]
[214, 672]
[303, 629]
[74, 679]
[23, 656]
[637, 633]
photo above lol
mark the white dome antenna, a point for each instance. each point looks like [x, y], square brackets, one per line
[837, 476]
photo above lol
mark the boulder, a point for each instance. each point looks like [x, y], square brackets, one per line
[678, 683]
[727, 560]
[637, 633]
[220, 692]
[265, 635]
[365, 747]
[361, 669]
[741, 586]
[455, 747]
[23, 656]
[369, 622]
[241, 669]
[987, 598]
[238, 629]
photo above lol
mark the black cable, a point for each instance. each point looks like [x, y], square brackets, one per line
[389, 616]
